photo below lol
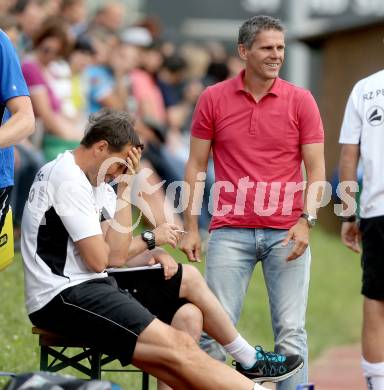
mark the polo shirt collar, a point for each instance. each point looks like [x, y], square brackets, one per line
[275, 89]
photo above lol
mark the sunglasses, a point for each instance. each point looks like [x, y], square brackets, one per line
[140, 146]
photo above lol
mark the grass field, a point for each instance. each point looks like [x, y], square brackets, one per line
[333, 314]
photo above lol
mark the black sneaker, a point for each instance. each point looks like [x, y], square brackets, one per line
[271, 367]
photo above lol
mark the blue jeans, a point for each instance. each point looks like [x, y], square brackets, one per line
[231, 257]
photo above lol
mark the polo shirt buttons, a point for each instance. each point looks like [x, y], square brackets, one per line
[254, 120]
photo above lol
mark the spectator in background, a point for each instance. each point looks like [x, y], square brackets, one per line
[197, 58]
[51, 42]
[16, 115]
[144, 101]
[218, 67]
[80, 59]
[180, 119]
[29, 15]
[74, 13]
[109, 87]
[104, 77]
[171, 79]
[110, 17]
[151, 59]
[51, 8]
[362, 138]
[135, 41]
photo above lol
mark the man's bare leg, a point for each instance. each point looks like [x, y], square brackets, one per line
[190, 320]
[373, 330]
[173, 357]
[216, 321]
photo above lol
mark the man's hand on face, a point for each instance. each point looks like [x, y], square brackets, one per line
[132, 167]
[133, 161]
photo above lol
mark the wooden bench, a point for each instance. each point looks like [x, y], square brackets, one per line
[89, 361]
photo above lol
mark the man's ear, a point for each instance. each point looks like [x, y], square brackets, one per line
[243, 52]
[100, 147]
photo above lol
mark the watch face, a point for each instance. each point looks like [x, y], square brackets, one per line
[148, 235]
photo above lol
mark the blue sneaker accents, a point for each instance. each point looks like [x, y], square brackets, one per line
[271, 366]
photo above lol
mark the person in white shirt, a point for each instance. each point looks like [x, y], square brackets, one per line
[66, 248]
[362, 137]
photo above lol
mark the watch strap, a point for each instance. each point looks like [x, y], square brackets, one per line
[151, 242]
[351, 218]
[311, 220]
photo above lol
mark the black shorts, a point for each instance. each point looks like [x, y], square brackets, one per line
[110, 314]
[372, 260]
[5, 200]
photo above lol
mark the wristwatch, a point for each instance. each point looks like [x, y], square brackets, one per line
[350, 218]
[149, 238]
[311, 220]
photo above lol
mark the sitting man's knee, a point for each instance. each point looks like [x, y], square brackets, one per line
[184, 348]
[190, 313]
[189, 318]
[191, 275]
[166, 347]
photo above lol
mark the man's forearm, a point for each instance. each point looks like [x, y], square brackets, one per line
[314, 191]
[18, 127]
[137, 247]
[190, 215]
[349, 158]
[313, 157]
[119, 234]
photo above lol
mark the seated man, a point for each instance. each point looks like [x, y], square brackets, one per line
[68, 291]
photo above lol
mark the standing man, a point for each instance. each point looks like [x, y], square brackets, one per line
[362, 136]
[16, 116]
[260, 129]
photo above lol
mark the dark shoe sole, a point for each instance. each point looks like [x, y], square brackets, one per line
[275, 379]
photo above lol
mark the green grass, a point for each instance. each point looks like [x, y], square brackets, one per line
[334, 310]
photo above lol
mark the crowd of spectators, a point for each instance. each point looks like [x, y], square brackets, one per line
[76, 63]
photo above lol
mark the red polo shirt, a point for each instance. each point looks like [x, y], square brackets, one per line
[256, 151]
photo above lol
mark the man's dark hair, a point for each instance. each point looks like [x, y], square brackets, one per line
[255, 25]
[115, 127]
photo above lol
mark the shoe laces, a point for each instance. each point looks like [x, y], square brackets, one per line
[270, 357]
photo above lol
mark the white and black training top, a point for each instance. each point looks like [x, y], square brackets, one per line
[63, 207]
[364, 124]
